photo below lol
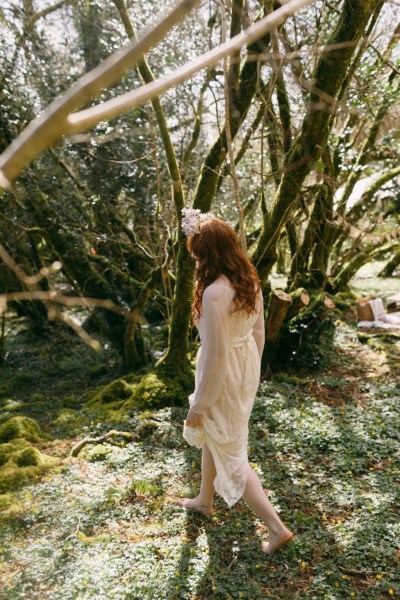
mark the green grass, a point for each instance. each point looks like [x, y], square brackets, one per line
[326, 450]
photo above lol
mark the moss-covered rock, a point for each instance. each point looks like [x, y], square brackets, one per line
[65, 417]
[8, 449]
[20, 427]
[12, 475]
[115, 391]
[28, 457]
[97, 452]
[20, 462]
[157, 390]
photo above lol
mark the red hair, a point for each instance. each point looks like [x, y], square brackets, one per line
[217, 249]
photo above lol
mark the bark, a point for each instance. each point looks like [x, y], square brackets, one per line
[329, 74]
[279, 305]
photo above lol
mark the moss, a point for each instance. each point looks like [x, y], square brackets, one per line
[346, 299]
[92, 539]
[19, 462]
[98, 452]
[293, 379]
[157, 391]
[71, 402]
[6, 501]
[12, 476]
[28, 457]
[20, 427]
[7, 404]
[37, 398]
[115, 391]
[8, 449]
[65, 417]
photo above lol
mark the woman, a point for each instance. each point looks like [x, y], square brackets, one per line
[228, 311]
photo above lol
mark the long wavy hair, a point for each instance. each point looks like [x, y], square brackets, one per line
[217, 250]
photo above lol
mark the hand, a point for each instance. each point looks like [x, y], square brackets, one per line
[194, 419]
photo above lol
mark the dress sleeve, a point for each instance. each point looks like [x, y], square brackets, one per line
[259, 327]
[216, 304]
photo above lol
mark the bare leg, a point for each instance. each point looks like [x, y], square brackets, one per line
[204, 501]
[255, 497]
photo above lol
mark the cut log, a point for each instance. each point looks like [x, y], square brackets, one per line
[300, 299]
[327, 303]
[364, 310]
[279, 305]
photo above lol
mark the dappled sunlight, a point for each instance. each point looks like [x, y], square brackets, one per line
[103, 526]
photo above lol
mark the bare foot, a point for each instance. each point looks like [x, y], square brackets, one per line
[276, 541]
[195, 504]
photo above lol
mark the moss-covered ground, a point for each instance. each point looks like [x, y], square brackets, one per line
[102, 526]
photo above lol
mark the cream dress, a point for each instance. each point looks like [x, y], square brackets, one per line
[226, 382]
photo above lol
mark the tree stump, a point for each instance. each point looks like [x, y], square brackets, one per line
[278, 307]
[364, 310]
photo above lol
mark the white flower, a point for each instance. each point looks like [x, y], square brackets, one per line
[192, 217]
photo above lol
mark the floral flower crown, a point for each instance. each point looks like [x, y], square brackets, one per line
[191, 220]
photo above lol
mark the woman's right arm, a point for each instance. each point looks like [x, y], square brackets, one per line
[216, 304]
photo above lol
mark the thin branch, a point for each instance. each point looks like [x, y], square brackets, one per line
[53, 296]
[231, 165]
[58, 121]
[49, 127]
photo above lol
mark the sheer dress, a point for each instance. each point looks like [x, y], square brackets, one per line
[226, 382]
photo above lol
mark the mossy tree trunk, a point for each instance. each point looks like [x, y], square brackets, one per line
[329, 73]
[242, 94]
[361, 256]
[391, 266]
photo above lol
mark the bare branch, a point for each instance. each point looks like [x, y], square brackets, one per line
[58, 121]
[49, 127]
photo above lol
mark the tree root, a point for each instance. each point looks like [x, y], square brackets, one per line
[102, 438]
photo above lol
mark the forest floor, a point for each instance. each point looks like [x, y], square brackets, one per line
[101, 526]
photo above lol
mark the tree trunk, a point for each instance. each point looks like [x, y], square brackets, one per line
[391, 266]
[203, 196]
[278, 308]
